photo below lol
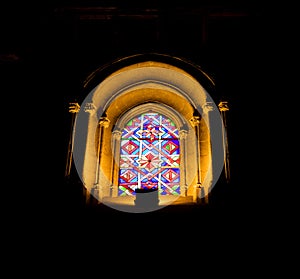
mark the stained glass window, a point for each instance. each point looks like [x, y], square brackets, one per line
[149, 155]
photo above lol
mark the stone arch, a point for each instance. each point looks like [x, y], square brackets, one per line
[137, 87]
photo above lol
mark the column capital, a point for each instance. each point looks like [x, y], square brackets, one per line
[183, 134]
[104, 121]
[117, 133]
[74, 107]
[195, 120]
[207, 107]
[89, 107]
[223, 106]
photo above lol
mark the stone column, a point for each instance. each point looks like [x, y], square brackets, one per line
[74, 109]
[183, 164]
[207, 109]
[97, 188]
[223, 107]
[116, 143]
[195, 121]
[87, 164]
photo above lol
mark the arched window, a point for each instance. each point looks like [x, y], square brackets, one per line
[149, 155]
[149, 125]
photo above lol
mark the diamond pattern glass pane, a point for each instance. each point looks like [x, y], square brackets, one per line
[149, 155]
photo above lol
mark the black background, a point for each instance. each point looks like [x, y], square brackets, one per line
[49, 48]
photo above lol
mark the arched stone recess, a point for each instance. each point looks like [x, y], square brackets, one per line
[143, 87]
[182, 126]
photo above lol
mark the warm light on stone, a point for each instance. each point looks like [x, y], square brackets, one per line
[142, 88]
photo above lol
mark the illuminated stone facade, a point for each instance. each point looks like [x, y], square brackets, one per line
[145, 87]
